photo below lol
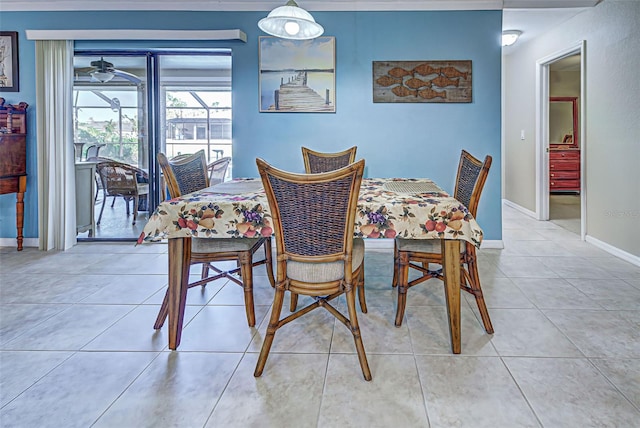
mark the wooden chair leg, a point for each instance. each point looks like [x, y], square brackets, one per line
[403, 277]
[268, 257]
[135, 209]
[104, 199]
[396, 260]
[246, 269]
[278, 300]
[205, 272]
[476, 290]
[293, 303]
[164, 312]
[360, 289]
[355, 330]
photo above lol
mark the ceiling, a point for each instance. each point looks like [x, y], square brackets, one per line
[532, 17]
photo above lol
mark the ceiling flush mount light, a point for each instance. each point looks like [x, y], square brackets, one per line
[509, 37]
[102, 76]
[291, 22]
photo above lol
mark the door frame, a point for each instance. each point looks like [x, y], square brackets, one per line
[542, 132]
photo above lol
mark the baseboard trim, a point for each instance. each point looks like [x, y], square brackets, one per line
[11, 242]
[522, 209]
[621, 254]
[498, 243]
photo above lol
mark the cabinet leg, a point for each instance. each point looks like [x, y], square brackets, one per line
[19, 218]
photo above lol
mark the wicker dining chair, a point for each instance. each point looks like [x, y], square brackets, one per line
[218, 170]
[417, 254]
[316, 254]
[188, 174]
[315, 162]
[119, 179]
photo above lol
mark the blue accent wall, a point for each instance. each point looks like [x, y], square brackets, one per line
[396, 140]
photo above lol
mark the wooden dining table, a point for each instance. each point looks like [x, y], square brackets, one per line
[410, 208]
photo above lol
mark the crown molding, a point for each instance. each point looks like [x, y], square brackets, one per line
[259, 5]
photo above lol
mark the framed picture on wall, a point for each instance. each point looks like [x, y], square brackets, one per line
[422, 81]
[9, 76]
[297, 75]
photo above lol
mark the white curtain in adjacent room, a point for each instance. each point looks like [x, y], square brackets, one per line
[56, 170]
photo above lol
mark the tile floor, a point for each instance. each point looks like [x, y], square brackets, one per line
[564, 210]
[77, 347]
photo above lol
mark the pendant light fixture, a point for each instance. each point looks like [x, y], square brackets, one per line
[291, 22]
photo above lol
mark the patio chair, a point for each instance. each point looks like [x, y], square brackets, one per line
[317, 254]
[187, 174]
[315, 162]
[218, 170]
[417, 254]
[93, 151]
[119, 179]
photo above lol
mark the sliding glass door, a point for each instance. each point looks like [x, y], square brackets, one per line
[130, 105]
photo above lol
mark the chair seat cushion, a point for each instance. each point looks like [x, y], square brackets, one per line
[325, 272]
[214, 245]
[423, 245]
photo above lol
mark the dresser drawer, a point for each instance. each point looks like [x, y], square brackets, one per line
[564, 155]
[564, 175]
[565, 184]
[564, 165]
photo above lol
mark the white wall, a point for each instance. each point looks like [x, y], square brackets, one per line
[612, 119]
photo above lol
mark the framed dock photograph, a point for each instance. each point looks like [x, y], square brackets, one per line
[9, 61]
[297, 76]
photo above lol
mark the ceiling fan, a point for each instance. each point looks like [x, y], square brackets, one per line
[103, 71]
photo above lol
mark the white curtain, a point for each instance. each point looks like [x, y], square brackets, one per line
[56, 170]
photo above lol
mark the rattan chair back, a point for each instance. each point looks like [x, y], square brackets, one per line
[121, 179]
[317, 162]
[313, 220]
[117, 178]
[185, 174]
[313, 216]
[472, 174]
[218, 170]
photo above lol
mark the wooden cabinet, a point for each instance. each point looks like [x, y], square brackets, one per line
[13, 158]
[85, 197]
[564, 171]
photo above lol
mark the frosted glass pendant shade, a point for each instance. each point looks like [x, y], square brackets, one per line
[291, 22]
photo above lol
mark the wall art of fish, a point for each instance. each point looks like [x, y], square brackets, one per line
[388, 81]
[398, 72]
[414, 83]
[453, 72]
[428, 94]
[402, 91]
[425, 70]
[443, 82]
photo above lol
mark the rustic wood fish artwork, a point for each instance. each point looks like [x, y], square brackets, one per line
[443, 82]
[429, 94]
[388, 81]
[426, 69]
[414, 83]
[448, 81]
[453, 72]
[401, 91]
[398, 72]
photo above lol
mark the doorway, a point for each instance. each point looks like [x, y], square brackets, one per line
[560, 142]
[131, 105]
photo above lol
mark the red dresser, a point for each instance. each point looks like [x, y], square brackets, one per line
[564, 171]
